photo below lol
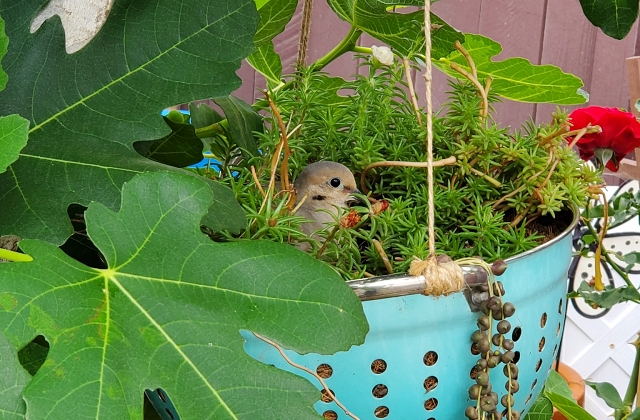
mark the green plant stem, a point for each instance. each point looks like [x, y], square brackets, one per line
[362, 50]
[326, 242]
[348, 43]
[612, 263]
[632, 390]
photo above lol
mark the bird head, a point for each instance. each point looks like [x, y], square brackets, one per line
[326, 184]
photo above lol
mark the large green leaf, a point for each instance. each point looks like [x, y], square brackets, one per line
[167, 312]
[558, 392]
[274, 16]
[13, 137]
[4, 43]
[13, 379]
[265, 60]
[558, 385]
[13, 128]
[243, 121]
[614, 17]
[180, 148]
[87, 109]
[569, 407]
[516, 78]
[608, 393]
[401, 31]
[541, 409]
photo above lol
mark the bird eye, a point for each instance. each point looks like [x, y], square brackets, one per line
[335, 182]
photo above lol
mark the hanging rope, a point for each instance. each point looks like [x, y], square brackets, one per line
[427, 80]
[305, 30]
[445, 276]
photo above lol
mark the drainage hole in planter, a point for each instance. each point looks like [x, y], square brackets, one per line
[558, 329]
[325, 397]
[555, 349]
[516, 357]
[330, 415]
[541, 344]
[543, 320]
[528, 398]
[324, 371]
[474, 372]
[430, 404]
[533, 385]
[381, 412]
[430, 383]
[430, 358]
[516, 334]
[474, 349]
[538, 365]
[380, 391]
[431, 418]
[560, 306]
[378, 366]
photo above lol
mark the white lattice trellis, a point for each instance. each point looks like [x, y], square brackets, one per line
[598, 348]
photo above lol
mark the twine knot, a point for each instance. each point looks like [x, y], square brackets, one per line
[442, 275]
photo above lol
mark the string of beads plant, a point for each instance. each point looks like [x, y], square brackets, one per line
[493, 350]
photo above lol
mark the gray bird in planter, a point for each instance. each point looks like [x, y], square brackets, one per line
[327, 186]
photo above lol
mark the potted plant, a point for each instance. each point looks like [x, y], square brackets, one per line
[120, 291]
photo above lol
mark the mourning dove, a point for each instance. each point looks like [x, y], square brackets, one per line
[327, 186]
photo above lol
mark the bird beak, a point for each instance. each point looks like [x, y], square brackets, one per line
[353, 199]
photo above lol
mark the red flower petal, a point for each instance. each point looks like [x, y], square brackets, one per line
[620, 131]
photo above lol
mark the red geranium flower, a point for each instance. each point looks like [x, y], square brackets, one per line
[620, 132]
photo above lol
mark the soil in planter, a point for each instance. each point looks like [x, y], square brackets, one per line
[549, 227]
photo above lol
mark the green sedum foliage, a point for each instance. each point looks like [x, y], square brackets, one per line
[494, 202]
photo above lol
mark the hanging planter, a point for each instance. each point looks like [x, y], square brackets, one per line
[432, 356]
[417, 360]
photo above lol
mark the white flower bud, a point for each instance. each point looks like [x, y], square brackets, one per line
[382, 55]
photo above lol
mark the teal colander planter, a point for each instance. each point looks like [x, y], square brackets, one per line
[417, 340]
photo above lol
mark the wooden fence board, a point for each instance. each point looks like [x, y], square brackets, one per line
[569, 43]
[517, 26]
[608, 87]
